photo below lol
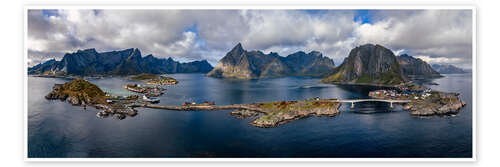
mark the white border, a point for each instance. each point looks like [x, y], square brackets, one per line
[266, 7]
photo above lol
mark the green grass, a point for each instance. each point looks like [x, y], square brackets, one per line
[144, 77]
[84, 90]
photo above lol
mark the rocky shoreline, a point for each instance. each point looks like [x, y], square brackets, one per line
[286, 111]
[447, 104]
[423, 101]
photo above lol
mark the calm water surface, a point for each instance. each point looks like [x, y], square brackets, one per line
[58, 129]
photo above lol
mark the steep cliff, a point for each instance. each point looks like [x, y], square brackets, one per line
[368, 64]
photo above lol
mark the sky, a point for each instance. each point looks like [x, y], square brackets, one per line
[435, 36]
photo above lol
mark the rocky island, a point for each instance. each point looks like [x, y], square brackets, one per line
[83, 93]
[277, 113]
[423, 101]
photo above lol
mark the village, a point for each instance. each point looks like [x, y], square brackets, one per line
[400, 94]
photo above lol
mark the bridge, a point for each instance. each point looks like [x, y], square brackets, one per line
[352, 101]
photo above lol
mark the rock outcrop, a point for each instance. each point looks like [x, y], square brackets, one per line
[368, 64]
[126, 62]
[416, 68]
[277, 113]
[77, 92]
[440, 103]
[241, 64]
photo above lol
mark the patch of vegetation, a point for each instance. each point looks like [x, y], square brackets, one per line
[80, 89]
[144, 77]
[279, 109]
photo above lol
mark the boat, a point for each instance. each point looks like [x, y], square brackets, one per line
[150, 99]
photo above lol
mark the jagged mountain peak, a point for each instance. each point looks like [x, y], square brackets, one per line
[237, 50]
[125, 62]
[254, 64]
[90, 50]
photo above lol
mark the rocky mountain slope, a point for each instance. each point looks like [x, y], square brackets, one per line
[415, 67]
[125, 62]
[241, 64]
[368, 64]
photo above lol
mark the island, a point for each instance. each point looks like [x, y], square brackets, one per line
[83, 93]
[422, 101]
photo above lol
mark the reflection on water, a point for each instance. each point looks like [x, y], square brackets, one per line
[370, 129]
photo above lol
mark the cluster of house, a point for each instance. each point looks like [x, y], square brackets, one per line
[403, 94]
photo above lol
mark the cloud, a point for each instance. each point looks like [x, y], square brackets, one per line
[188, 35]
[439, 33]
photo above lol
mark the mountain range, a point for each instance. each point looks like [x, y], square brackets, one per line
[89, 62]
[241, 64]
[448, 69]
[365, 64]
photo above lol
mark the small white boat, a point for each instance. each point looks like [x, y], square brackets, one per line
[150, 99]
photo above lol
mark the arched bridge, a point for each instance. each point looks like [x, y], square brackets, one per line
[352, 101]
